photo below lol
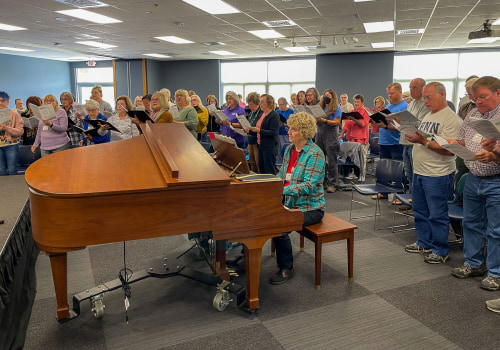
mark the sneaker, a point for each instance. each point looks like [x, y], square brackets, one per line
[361, 179]
[490, 283]
[465, 271]
[331, 189]
[415, 248]
[493, 305]
[282, 276]
[435, 259]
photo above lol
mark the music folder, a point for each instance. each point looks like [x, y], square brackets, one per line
[381, 116]
[91, 132]
[97, 123]
[141, 115]
[355, 115]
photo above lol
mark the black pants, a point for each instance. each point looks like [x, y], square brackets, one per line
[284, 254]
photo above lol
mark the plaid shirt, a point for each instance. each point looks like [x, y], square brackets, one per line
[467, 134]
[74, 136]
[305, 190]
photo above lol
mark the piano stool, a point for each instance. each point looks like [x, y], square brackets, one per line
[330, 229]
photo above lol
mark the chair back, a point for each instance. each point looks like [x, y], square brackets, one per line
[374, 146]
[389, 173]
[458, 196]
[283, 149]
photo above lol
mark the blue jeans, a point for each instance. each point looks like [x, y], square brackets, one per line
[430, 207]
[9, 157]
[482, 222]
[408, 164]
[284, 255]
[391, 152]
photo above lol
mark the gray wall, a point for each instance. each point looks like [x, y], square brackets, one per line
[364, 73]
[201, 76]
[129, 78]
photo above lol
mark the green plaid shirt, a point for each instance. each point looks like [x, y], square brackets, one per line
[305, 191]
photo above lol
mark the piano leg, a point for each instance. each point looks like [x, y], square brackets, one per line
[58, 263]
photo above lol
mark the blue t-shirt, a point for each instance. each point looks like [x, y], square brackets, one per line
[286, 114]
[390, 137]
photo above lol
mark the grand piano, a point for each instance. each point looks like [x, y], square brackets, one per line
[160, 183]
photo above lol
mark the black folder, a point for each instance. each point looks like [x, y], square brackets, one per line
[354, 114]
[283, 119]
[91, 132]
[97, 123]
[141, 115]
[381, 116]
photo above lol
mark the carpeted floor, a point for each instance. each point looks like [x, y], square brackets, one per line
[395, 302]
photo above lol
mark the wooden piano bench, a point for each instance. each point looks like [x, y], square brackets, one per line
[330, 229]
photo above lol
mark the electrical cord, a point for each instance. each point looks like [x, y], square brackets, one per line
[124, 276]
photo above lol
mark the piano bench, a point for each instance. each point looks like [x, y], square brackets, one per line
[329, 229]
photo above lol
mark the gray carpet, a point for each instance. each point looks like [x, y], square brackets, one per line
[395, 302]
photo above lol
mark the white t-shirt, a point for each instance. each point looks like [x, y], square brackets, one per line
[426, 162]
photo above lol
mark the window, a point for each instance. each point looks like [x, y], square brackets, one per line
[278, 78]
[86, 78]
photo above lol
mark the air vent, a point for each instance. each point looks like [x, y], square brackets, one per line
[213, 43]
[316, 47]
[84, 37]
[82, 4]
[409, 31]
[282, 23]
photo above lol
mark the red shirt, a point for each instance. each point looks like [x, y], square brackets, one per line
[292, 164]
[356, 133]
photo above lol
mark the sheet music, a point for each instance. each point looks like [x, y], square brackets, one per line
[244, 122]
[221, 116]
[410, 130]
[46, 112]
[211, 109]
[440, 140]
[405, 117]
[459, 150]
[486, 128]
[299, 109]
[175, 112]
[238, 130]
[317, 111]
[78, 107]
[5, 116]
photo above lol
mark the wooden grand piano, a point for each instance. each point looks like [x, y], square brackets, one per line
[160, 183]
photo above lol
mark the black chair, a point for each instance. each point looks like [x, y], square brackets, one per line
[456, 210]
[389, 179]
[405, 199]
[373, 156]
[26, 158]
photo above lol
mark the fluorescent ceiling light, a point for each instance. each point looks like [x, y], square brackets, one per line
[10, 28]
[174, 39]
[382, 45]
[223, 53]
[266, 34]
[14, 49]
[157, 55]
[296, 49]
[214, 7]
[376, 27]
[488, 40]
[96, 44]
[89, 16]
[363, 0]
[496, 23]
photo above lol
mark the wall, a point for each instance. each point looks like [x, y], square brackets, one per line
[364, 73]
[22, 77]
[128, 75]
[200, 76]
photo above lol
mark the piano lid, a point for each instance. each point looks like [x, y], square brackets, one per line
[165, 156]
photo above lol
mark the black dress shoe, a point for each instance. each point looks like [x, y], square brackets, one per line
[282, 276]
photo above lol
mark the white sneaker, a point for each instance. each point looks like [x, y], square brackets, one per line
[361, 179]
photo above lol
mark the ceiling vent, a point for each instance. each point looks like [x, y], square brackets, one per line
[213, 43]
[82, 4]
[281, 23]
[409, 31]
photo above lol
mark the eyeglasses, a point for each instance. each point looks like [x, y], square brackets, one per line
[3, 100]
[309, 95]
[51, 100]
[428, 97]
[154, 99]
[482, 98]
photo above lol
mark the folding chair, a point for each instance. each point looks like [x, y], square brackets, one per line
[405, 199]
[373, 156]
[389, 179]
[456, 210]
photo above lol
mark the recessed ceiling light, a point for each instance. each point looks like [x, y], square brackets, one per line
[10, 28]
[223, 53]
[296, 49]
[266, 34]
[89, 16]
[362, 0]
[279, 23]
[214, 7]
[383, 45]
[496, 23]
[488, 40]
[174, 39]
[376, 27]
[96, 44]
[15, 49]
[157, 55]
[65, 19]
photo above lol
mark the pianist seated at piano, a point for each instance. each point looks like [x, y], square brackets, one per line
[122, 121]
[302, 172]
[92, 108]
[51, 135]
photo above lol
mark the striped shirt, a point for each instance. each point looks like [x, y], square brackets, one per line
[305, 190]
[472, 142]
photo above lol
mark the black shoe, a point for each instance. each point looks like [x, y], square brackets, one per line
[282, 276]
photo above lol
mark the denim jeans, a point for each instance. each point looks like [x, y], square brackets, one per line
[482, 222]
[284, 255]
[391, 152]
[430, 208]
[408, 164]
[9, 157]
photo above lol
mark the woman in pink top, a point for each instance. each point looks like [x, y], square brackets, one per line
[10, 134]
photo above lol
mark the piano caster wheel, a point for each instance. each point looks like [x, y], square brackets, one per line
[97, 306]
[221, 300]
